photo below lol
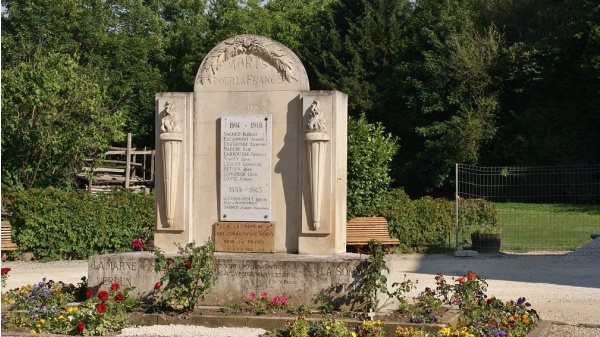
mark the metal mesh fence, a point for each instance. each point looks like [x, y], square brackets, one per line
[552, 208]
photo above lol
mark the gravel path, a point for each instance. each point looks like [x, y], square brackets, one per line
[563, 288]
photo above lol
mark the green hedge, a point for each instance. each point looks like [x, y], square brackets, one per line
[370, 153]
[56, 224]
[432, 222]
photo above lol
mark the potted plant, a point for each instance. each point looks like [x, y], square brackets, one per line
[487, 238]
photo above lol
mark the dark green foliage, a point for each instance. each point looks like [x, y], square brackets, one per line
[350, 48]
[551, 90]
[370, 152]
[449, 95]
[432, 222]
[481, 82]
[55, 224]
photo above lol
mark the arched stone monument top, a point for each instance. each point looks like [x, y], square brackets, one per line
[251, 63]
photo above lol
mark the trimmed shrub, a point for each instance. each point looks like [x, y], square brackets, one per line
[57, 224]
[436, 220]
[370, 152]
[402, 218]
[432, 222]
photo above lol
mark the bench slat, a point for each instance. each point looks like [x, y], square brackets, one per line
[359, 231]
[6, 239]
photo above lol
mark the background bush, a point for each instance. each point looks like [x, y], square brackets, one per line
[57, 224]
[432, 221]
[370, 153]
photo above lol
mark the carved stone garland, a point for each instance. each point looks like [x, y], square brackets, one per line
[251, 44]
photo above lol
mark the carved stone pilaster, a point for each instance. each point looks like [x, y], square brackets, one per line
[171, 138]
[317, 138]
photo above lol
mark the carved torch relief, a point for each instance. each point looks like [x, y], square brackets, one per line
[170, 138]
[317, 138]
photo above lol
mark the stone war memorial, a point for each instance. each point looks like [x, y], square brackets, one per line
[256, 161]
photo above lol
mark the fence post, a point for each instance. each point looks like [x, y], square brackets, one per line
[128, 160]
[456, 197]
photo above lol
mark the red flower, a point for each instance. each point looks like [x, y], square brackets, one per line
[461, 280]
[471, 275]
[252, 295]
[103, 295]
[119, 298]
[80, 326]
[101, 308]
[89, 293]
[263, 295]
[5, 271]
[158, 285]
[115, 286]
[187, 265]
[138, 244]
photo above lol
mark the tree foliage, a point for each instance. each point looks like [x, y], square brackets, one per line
[497, 82]
[350, 47]
[449, 93]
[54, 116]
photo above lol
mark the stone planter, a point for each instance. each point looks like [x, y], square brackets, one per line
[486, 243]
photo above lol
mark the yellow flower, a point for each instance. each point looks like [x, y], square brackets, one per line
[32, 332]
[42, 321]
[353, 334]
[526, 319]
[445, 332]
[328, 327]
[72, 310]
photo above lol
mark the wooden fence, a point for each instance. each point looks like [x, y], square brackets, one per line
[127, 167]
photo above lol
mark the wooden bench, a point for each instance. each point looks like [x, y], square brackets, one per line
[359, 231]
[6, 237]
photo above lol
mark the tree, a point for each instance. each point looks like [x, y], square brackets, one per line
[550, 82]
[446, 98]
[185, 39]
[122, 39]
[53, 117]
[350, 46]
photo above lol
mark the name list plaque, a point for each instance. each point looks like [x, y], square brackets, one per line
[245, 189]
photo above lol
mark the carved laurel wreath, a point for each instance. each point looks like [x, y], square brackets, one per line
[242, 44]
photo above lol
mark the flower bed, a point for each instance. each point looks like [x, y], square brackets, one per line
[43, 308]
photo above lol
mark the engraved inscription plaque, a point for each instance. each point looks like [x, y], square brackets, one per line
[247, 237]
[245, 182]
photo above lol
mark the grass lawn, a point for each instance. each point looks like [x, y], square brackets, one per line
[546, 227]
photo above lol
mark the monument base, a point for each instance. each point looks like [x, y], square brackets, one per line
[297, 277]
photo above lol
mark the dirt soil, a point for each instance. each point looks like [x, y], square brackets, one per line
[391, 316]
